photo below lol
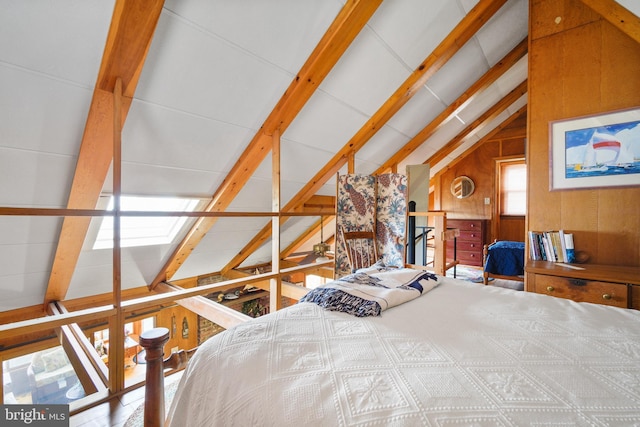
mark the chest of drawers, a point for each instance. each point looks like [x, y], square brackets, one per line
[601, 284]
[469, 243]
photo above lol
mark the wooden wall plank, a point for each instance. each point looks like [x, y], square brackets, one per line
[580, 81]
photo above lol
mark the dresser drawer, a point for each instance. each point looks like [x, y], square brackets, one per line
[465, 245]
[469, 258]
[474, 235]
[465, 224]
[615, 294]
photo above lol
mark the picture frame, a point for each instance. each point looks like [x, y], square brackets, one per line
[601, 150]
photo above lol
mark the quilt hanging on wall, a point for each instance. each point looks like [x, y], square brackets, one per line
[365, 203]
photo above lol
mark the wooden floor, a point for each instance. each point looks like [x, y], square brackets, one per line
[116, 412]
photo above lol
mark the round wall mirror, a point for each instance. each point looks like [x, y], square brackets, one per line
[462, 187]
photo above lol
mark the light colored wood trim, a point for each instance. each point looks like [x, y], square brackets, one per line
[479, 123]
[617, 15]
[275, 288]
[217, 313]
[463, 100]
[132, 27]
[25, 327]
[320, 203]
[116, 322]
[77, 348]
[465, 29]
[343, 30]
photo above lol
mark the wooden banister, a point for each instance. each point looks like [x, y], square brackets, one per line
[153, 342]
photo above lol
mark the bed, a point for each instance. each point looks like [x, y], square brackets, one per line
[458, 354]
[503, 259]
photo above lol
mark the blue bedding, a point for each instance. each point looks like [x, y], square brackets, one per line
[506, 258]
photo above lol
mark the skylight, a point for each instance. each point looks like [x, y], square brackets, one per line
[144, 231]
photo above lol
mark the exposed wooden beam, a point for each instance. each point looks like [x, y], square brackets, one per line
[79, 351]
[465, 29]
[455, 107]
[320, 203]
[275, 288]
[343, 30]
[217, 313]
[130, 34]
[479, 123]
[617, 15]
[488, 137]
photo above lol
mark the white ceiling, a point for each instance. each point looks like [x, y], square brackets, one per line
[214, 72]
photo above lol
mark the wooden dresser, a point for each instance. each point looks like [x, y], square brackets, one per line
[618, 286]
[470, 242]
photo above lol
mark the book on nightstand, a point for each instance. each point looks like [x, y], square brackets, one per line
[555, 246]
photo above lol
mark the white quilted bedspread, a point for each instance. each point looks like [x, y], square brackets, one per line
[464, 354]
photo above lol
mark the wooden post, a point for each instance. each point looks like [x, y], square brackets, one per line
[153, 342]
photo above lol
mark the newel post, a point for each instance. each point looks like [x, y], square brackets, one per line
[153, 342]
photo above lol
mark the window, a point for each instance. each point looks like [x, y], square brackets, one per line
[513, 188]
[144, 231]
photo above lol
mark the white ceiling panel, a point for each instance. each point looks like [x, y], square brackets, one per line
[419, 111]
[224, 241]
[445, 133]
[366, 75]
[377, 150]
[295, 166]
[17, 230]
[281, 32]
[193, 71]
[412, 29]
[418, 157]
[513, 76]
[64, 45]
[508, 27]
[150, 180]
[41, 113]
[92, 280]
[156, 135]
[466, 66]
[325, 123]
[26, 258]
[23, 290]
[32, 178]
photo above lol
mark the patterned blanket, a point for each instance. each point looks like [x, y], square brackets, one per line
[370, 291]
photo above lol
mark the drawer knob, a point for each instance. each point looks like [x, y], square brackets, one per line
[606, 296]
[550, 289]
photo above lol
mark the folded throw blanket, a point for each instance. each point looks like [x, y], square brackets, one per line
[370, 291]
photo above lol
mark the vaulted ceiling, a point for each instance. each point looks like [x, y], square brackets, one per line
[202, 88]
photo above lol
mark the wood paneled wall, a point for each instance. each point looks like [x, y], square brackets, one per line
[579, 64]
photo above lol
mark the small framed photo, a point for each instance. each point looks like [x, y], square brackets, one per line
[596, 151]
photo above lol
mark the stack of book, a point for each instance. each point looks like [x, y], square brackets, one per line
[555, 246]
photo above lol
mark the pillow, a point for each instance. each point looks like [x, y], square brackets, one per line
[55, 360]
[37, 364]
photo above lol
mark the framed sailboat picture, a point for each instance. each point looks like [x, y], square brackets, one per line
[596, 151]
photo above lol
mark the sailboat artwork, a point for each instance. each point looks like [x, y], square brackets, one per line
[603, 151]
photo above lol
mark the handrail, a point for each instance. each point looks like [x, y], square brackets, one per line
[153, 342]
